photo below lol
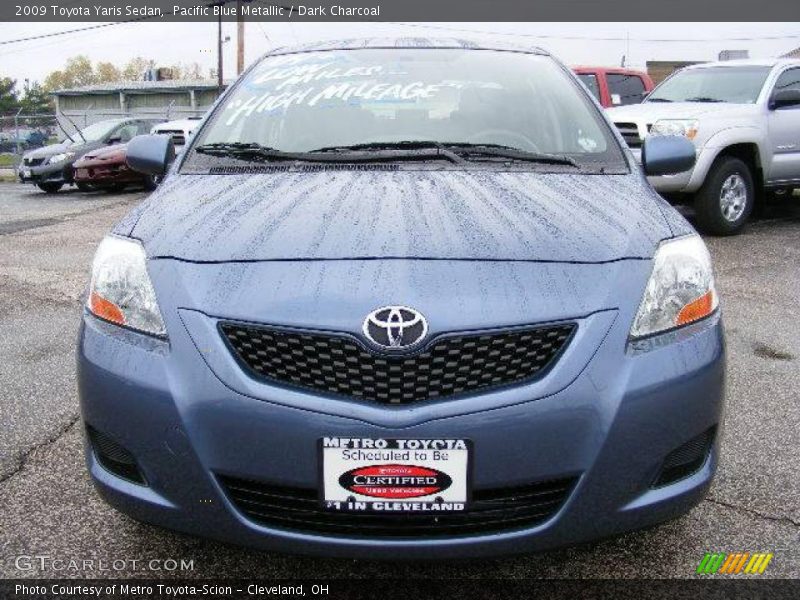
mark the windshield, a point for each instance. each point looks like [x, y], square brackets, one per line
[94, 132]
[323, 100]
[737, 85]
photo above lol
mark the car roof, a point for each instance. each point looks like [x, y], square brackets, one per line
[613, 70]
[748, 62]
[405, 43]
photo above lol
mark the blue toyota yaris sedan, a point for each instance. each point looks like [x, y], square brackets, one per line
[405, 299]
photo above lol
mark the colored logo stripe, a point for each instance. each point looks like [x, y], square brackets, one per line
[734, 564]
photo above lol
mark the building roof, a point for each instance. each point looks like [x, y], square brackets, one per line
[141, 87]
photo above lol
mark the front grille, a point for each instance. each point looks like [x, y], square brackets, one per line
[113, 457]
[178, 137]
[33, 162]
[452, 366]
[686, 459]
[630, 132]
[491, 510]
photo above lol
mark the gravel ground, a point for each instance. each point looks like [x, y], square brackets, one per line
[50, 508]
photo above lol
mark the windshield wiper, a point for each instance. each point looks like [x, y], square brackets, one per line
[456, 150]
[248, 151]
[337, 154]
[703, 99]
[658, 100]
[407, 148]
[502, 151]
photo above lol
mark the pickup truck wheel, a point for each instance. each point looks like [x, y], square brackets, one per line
[724, 202]
[49, 188]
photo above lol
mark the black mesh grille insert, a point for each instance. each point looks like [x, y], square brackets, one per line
[448, 367]
[491, 510]
[113, 457]
[686, 459]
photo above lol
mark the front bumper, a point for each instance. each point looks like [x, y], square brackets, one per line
[104, 173]
[56, 173]
[611, 426]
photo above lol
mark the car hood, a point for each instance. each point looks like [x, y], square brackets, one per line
[652, 111]
[78, 148]
[115, 152]
[330, 214]
[46, 151]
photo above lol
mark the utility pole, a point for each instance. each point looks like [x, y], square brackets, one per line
[239, 38]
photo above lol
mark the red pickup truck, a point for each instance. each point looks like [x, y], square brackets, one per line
[615, 86]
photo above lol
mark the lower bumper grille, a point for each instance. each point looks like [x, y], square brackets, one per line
[686, 459]
[492, 510]
[113, 457]
[450, 366]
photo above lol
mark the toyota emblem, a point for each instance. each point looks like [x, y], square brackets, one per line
[395, 327]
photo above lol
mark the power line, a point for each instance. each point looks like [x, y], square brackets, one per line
[101, 26]
[66, 32]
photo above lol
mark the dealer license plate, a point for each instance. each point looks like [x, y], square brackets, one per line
[395, 475]
[81, 173]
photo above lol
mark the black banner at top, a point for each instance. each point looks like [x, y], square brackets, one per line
[399, 10]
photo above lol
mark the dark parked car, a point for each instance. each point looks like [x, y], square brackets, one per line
[405, 299]
[105, 168]
[51, 167]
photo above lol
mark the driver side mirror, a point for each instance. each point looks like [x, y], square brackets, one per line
[667, 155]
[785, 99]
[150, 154]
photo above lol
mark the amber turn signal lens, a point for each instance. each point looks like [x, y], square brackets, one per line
[696, 309]
[104, 309]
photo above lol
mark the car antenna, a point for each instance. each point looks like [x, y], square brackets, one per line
[75, 126]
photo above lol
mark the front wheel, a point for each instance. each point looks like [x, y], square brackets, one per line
[150, 182]
[49, 188]
[726, 199]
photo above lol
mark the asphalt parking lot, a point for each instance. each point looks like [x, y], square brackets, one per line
[49, 507]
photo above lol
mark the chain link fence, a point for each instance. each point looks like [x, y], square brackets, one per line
[20, 133]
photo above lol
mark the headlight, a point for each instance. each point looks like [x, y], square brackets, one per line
[59, 157]
[683, 127]
[680, 290]
[121, 291]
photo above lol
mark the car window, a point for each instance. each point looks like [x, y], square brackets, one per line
[591, 83]
[126, 132]
[95, 131]
[143, 127]
[312, 100]
[625, 89]
[738, 85]
[788, 80]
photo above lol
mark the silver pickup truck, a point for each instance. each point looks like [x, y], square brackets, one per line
[744, 120]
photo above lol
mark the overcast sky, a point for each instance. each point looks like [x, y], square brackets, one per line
[170, 43]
